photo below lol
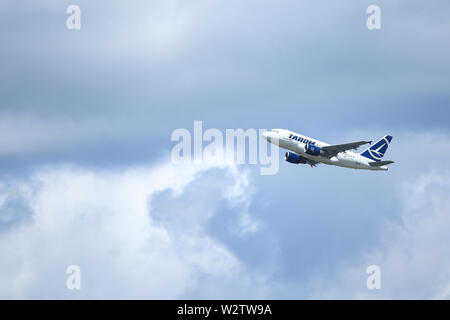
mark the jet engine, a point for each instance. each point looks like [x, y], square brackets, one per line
[312, 149]
[294, 158]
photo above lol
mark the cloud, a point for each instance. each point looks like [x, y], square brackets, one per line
[117, 83]
[412, 253]
[158, 57]
[165, 231]
[110, 224]
[106, 98]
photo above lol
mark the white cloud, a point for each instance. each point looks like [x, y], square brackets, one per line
[130, 246]
[102, 222]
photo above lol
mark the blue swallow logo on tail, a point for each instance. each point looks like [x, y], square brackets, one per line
[376, 151]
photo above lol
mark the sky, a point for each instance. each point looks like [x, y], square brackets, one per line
[86, 176]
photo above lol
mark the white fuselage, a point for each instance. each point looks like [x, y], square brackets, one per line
[345, 159]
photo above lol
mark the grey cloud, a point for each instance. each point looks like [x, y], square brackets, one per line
[158, 57]
[108, 97]
[141, 71]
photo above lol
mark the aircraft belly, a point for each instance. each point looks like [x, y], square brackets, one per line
[330, 161]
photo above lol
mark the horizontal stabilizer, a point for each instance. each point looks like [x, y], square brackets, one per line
[380, 163]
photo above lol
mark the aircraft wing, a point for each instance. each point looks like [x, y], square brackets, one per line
[335, 149]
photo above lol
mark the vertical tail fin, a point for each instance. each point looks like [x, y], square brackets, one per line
[376, 151]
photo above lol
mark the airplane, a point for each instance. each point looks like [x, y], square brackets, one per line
[310, 151]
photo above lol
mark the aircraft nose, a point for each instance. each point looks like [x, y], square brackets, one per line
[265, 134]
